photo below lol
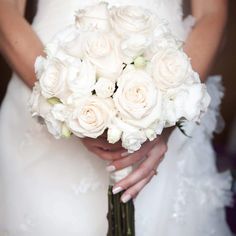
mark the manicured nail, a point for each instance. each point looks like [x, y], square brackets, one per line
[116, 190]
[125, 198]
[125, 154]
[110, 168]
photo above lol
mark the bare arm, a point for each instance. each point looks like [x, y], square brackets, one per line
[19, 44]
[204, 40]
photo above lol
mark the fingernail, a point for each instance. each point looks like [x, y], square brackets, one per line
[125, 154]
[116, 190]
[125, 198]
[110, 168]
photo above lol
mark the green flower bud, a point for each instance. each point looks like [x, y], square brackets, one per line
[54, 100]
[66, 133]
[140, 62]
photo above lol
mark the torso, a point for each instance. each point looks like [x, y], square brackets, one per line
[54, 15]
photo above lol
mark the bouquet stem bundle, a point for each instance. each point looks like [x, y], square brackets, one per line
[120, 215]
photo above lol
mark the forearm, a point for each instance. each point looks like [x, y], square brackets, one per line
[203, 42]
[18, 42]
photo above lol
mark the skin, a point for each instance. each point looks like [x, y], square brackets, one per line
[15, 37]
[201, 46]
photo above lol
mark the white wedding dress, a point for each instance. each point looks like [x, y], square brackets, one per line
[52, 187]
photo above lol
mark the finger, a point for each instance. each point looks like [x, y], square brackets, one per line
[123, 162]
[133, 191]
[113, 146]
[132, 158]
[151, 162]
[108, 155]
[102, 144]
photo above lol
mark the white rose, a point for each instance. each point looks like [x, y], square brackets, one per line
[128, 20]
[94, 17]
[73, 47]
[67, 58]
[51, 49]
[104, 87]
[54, 126]
[166, 40]
[60, 38]
[161, 29]
[57, 46]
[53, 79]
[81, 79]
[38, 105]
[91, 116]
[133, 141]
[170, 68]
[134, 47]
[150, 134]
[113, 134]
[197, 102]
[60, 112]
[137, 99]
[188, 101]
[154, 129]
[103, 51]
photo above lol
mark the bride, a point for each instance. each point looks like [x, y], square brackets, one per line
[59, 187]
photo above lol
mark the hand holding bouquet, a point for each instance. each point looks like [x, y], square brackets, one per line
[121, 71]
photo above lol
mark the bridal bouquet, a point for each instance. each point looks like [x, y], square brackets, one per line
[117, 70]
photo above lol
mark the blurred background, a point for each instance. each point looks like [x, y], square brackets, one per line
[225, 65]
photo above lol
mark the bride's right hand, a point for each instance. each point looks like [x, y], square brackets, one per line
[103, 149]
[114, 153]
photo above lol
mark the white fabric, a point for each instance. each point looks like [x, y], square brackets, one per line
[56, 187]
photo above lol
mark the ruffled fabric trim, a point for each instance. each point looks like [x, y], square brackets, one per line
[197, 176]
[189, 194]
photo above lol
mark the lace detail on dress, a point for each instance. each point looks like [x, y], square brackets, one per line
[181, 197]
[90, 183]
[214, 84]
[85, 185]
[207, 191]
[34, 132]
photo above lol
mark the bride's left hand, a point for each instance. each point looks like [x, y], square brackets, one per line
[153, 154]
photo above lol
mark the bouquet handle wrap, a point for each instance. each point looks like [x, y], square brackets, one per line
[118, 175]
[121, 216]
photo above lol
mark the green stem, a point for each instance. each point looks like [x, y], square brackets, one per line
[123, 218]
[116, 215]
[128, 230]
[110, 215]
[120, 216]
[132, 217]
